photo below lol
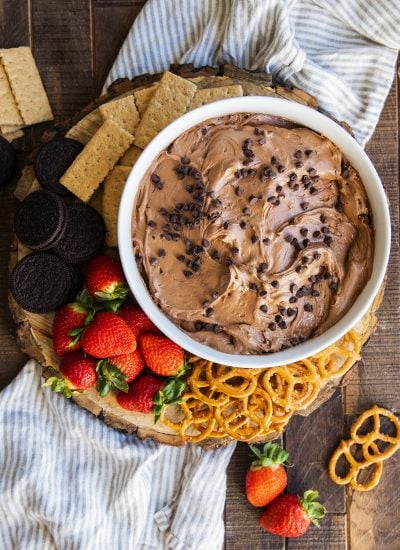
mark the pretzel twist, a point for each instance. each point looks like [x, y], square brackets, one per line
[365, 443]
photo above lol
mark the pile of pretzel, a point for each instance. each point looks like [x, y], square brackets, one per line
[255, 404]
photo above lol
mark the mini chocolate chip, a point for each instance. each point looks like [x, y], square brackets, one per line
[225, 225]
[299, 294]
[187, 274]
[296, 186]
[298, 154]
[304, 205]
[247, 142]
[204, 130]
[282, 325]
[333, 287]
[155, 178]
[300, 269]
[313, 279]
[235, 250]
[327, 275]
[228, 262]
[292, 176]
[185, 160]
[152, 223]
[302, 339]
[346, 173]
[264, 308]
[198, 249]
[272, 326]
[253, 286]
[316, 234]
[215, 255]
[161, 253]
[313, 190]
[237, 174]
[195, 267]
[217, 328]
[308, 152]
[242, 224]
[263, 267]
[216, 202]
[290, 312]
[282, 310]
[306, 242]
[298, 164]
[209, 327]
[292, 221]
[278, 188]
[274, 160]
[211, 194]
[263, 293]
[280, 168]
[293, 287]
[305, 259]
[180, 258]
[139, 258]
[328, 240]
[303, 231]
[206, 304]
[248, 153]
[315, 293]
[247, 162]
[252, 199]
[254, 239]
[288, 238]
[198, 325]
[262, 141]
[294, 341]
[266, 240]
[258, 131]
[308, 307]
[322, 218]
[246, 211]
[215, 294]
[275, 284]
[312, 172]
[163, 212]
[292, 299]
[316, 255]
[153, 261]
[209, 311]
[271, 199]
[325, 230]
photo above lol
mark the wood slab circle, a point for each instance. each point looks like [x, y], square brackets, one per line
[34, 332]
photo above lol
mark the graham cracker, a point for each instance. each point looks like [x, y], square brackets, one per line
[9, 114]
[142, 97]
[123, 112]
[113, 187]
[171, 99]
[96, 160]
[96, 200]
[24, 183]
[85, 129]
[10, 136]
[130, 156]
[208, 95]
[26, 85]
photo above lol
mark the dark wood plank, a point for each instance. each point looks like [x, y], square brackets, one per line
[62, 46]
[330, 535]
[376, 378]
[310, 442]
[14, 23]
[241, 519]
[110, 19]
[118, 3]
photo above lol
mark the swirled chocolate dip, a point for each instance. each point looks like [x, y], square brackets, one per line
[252, 234]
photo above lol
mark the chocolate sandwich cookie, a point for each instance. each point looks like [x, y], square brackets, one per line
[7, 161]
[52, 162]
[40, 220]
[84, 234]
[76, 281]
[41, 282]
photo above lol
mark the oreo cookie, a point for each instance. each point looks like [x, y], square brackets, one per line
[84, 235]
[40, 220]
[52, 162]
[41, 282]
[76, 281]
[7, 161]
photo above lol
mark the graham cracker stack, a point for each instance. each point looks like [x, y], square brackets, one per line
[123, 112]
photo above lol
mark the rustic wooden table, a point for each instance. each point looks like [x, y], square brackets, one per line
[74, 43]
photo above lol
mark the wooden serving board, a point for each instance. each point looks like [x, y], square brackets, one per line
[35, 331]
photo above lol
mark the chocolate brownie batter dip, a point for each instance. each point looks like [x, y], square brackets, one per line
[252, 234]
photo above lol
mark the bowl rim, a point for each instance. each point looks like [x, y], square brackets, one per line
[309, 118]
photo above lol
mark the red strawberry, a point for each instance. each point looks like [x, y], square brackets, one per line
[79, 374]
[115, 372]
[266, 478]
[290, 516]
[106, 282]
[161, 355]
[68, 325]
[137, 320]
[108, 335]
[149, 394]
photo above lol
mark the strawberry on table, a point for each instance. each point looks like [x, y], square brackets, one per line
[147, 394]
[108, 335]
[162, 355]
[79, 373]
[105, 281]
[115, 372]
[291, 516]
[68, 326]
[137, 320]
[266, 478]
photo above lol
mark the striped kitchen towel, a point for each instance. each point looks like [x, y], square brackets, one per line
[341, 51]
[69, 482]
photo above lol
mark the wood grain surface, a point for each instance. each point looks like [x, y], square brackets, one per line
[74, 43]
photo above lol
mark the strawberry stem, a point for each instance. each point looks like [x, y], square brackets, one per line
[110, 378]
[271, 455]
[170, 394]
[313, 510]
[58, 385]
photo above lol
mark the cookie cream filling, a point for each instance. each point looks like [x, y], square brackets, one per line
[252, 234]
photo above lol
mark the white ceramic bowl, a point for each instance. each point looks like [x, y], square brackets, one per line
[306, 117]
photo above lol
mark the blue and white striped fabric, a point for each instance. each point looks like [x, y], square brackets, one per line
[341, 51]
[69, 482]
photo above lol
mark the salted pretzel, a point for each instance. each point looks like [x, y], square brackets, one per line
[367, 445]
[255, 404]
